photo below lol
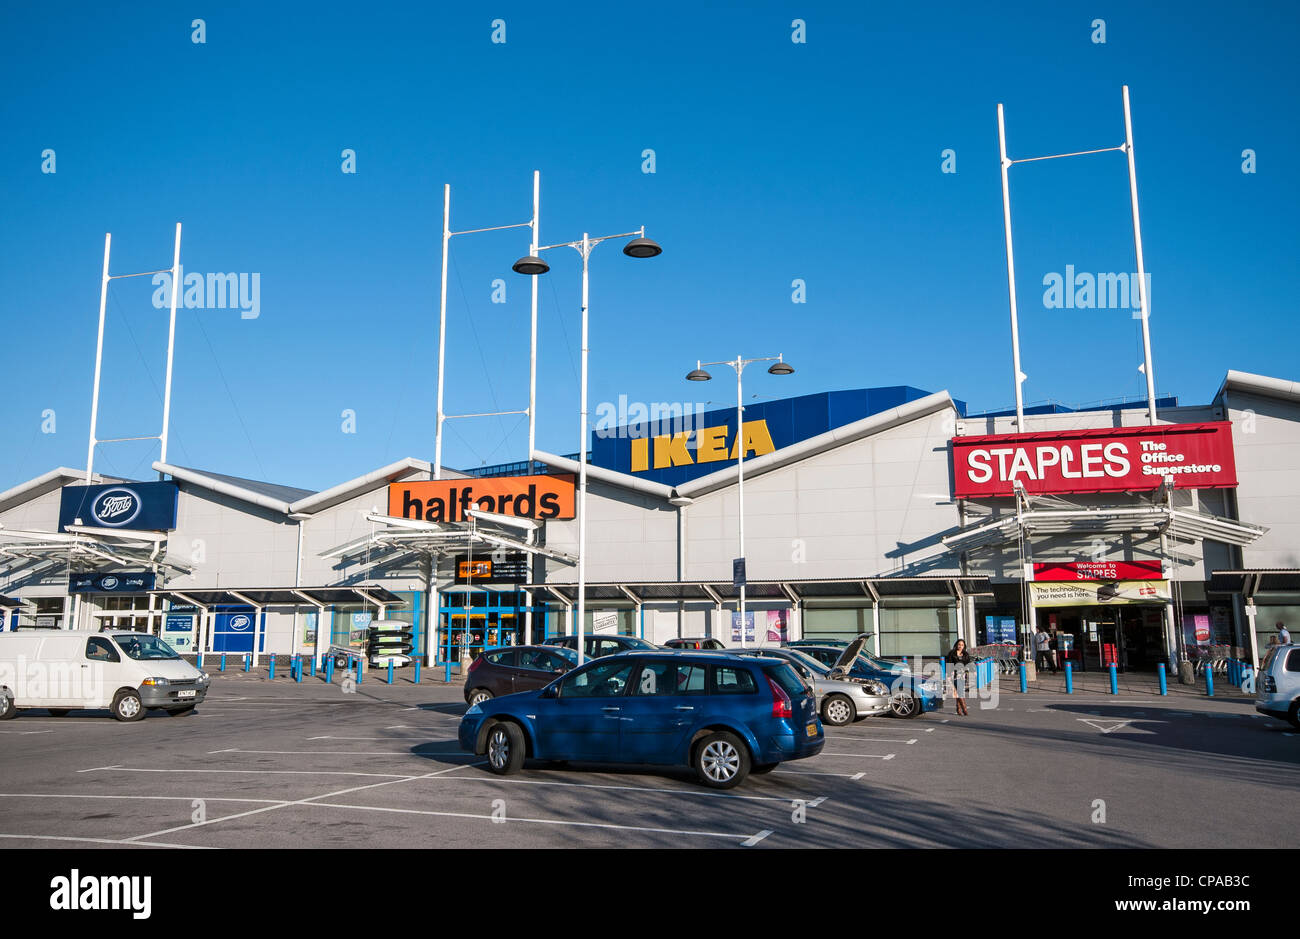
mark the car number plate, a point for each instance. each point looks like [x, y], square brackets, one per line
[186, 694]
[812, 730]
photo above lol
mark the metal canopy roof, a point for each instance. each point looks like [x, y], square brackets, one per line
[867, 588]
[280, 596]
[1254, 581]
[11, 603]
[1156, 519]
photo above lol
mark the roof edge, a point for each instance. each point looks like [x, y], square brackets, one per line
[346, 490]
[196, 478]
[1259, 384]
[47, 481]
[613, 477]
[838, 436]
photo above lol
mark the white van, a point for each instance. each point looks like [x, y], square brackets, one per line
[126, 672]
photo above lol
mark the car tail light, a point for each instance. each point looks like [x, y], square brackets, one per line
[781, 705]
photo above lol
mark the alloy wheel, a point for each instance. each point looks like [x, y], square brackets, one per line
[498, 748]
[129, 707]
[720, 760]
[902, 704]
[838, 712]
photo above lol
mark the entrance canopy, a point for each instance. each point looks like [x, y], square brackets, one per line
[280, 596]
[10, 603]
[91, 548]
[1250, 582]
[793, 591]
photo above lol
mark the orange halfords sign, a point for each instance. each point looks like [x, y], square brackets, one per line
[446, 500]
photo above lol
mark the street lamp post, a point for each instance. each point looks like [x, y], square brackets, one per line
[639, 247]
[778, 367]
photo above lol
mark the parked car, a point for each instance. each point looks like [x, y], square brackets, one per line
[510, 669]
[721, 715]
[1277, 687]
[596, 645]
[124, 671]
[840, 701]
[703, 642]
[910, 696]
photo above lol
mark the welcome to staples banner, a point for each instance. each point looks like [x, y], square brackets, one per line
[1194, 456]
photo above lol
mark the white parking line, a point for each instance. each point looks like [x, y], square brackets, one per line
[393, 737]
[863, 756]
[305, 801]
[23, 733]
[806, 772]
[116, 841]
[346, 752]
[749, 843]
[254, 772]
[543, 821]
[100, 795]
[874, 739]
[666, 791]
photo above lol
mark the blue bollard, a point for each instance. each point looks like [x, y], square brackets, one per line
[298, 669]
[313, 666]
[417, 671]
[1024, 679]
[223, 663]
[1164, 684]
[329, 670]
[1114, 679]
[1209, 683]
[358, 670]
[199, 662]
[1069, 679]
[248, 662]
[271, 669]
[390, 671]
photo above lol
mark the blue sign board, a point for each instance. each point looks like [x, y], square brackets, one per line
[135, 506]
[233, 630]
[999, 629]
[119, 582]
[672, 443]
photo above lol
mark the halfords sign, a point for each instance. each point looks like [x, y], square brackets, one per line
[447, 500]
[136, 506]
[1194, 456]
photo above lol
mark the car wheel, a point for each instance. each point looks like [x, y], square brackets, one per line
[838, 710]
[1293, 715]
[479, 695]
[127, 706]
[177, 712]
[505, 748]
[904, 705]
[59, 712]
[7, 710]
[721, 760]
[763, 769]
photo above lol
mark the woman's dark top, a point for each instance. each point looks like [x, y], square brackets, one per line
[959, 663]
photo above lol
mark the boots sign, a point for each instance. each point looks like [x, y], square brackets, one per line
[1194, 456]
[447, 500]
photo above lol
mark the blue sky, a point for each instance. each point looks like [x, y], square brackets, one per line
[774, 161]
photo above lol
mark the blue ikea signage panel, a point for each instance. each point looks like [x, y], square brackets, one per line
[135, 506]
[669, 444]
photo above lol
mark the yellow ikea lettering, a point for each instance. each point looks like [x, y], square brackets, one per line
[712, 445]
[757, 440]
[640, 454]
[671, 451]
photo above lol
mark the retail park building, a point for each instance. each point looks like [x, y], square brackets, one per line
[888, 511]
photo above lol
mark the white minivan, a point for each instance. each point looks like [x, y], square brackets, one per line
[1277, 689]
[126, 672]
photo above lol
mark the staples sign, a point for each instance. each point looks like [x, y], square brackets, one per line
[1194, 456]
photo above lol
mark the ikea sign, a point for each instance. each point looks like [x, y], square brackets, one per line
[672, 446]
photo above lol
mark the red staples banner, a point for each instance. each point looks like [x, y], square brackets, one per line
[1195, 456]
[1098, 570]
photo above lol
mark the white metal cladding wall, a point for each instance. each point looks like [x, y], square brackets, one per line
[230, 543]
[339, 525]
[871, 506]
[1266, 437]
[630, 537]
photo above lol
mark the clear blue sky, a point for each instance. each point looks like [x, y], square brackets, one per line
[775, 161]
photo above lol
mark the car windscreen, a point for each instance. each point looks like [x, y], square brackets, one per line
[807, 661]
[569, 655]
[632, 642]
[146, 648]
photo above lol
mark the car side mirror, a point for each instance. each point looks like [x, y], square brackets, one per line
[551, 691]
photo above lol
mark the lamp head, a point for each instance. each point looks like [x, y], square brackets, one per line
[698, 374]
[781, 368]
[642, 248]
[530, 265]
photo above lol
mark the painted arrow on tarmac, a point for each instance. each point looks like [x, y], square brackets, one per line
[1114, 724]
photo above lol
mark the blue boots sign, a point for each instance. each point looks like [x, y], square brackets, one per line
[119, 582]
[133, 506]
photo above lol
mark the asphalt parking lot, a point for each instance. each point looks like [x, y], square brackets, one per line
[277, 764]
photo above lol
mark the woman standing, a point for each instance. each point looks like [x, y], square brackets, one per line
[958, 660]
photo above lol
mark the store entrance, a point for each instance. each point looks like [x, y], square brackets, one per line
[1094, 637]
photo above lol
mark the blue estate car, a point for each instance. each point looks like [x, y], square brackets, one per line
[910, 696]
[725, 717]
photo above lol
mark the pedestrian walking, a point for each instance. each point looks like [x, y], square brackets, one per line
[958, 661]
[1044, 653]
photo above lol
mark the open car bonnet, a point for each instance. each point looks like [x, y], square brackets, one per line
[844, 663]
